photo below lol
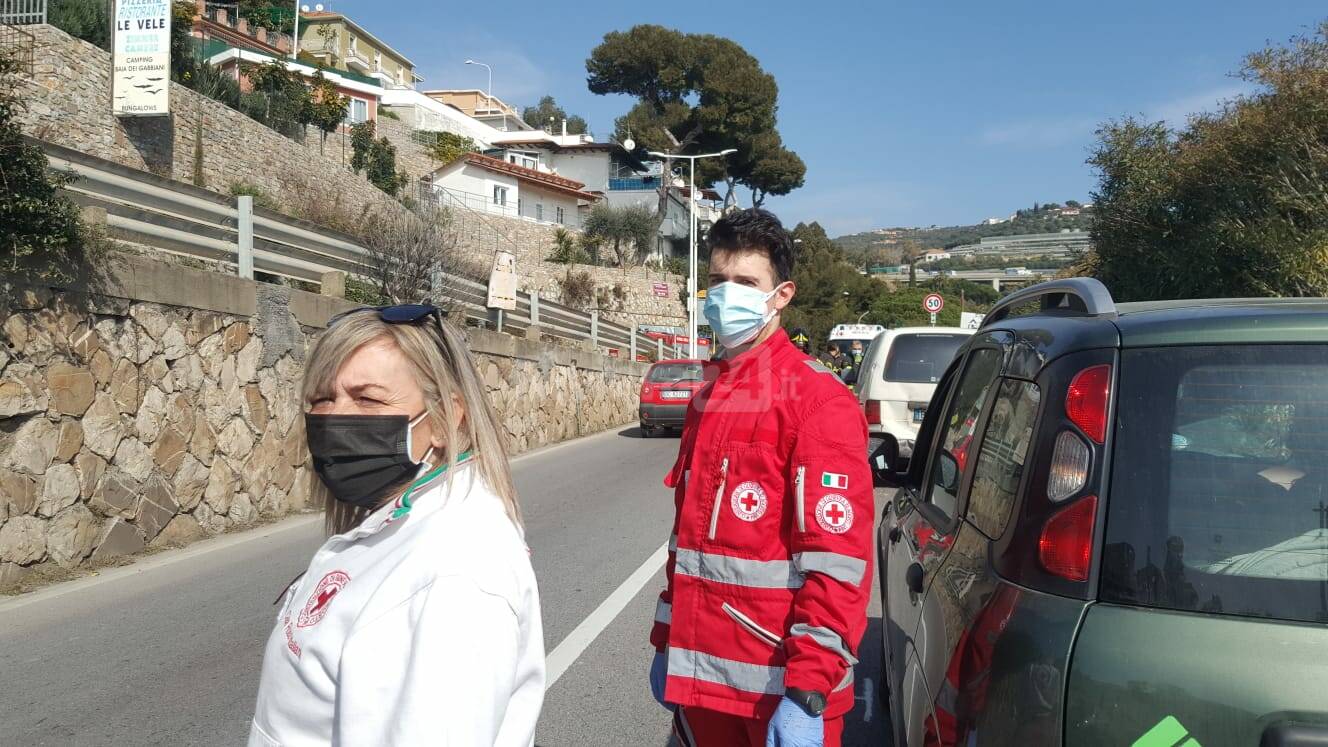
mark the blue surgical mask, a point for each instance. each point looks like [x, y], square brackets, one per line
[736, 312]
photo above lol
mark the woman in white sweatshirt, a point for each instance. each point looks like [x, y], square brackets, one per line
[418, 621]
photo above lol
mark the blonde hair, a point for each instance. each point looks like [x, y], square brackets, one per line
[445, 373]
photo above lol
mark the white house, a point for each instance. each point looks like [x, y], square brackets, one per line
[491, 185]
[934, 255]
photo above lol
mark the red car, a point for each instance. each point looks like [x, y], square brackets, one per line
[665, 392]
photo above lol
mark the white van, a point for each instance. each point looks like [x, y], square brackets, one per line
[895, 382]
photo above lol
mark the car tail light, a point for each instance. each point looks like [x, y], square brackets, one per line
[874, 411]
[645, 390]
[1069, 467]
[1065, 548]
[1086, 401]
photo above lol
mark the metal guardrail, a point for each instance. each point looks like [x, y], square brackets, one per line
[181, 219]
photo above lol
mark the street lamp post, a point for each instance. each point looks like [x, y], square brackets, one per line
[691, 238]
[488, 94]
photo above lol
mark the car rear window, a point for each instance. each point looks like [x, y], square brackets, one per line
[921, 358]
[1219, 497]
[674, 372]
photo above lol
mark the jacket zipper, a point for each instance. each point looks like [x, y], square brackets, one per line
[723, 481]
[801, 498]
[751, 626]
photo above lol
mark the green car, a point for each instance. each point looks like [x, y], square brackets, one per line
[1114, 529]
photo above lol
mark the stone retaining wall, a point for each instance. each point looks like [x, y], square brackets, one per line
[165, 408]
[68, 103]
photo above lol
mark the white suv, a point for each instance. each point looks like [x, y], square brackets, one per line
[895, 382]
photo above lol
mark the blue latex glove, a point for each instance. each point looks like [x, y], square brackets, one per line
[659, 669]
[791, 726]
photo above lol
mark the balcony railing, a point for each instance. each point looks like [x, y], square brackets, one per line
[22, 12]
[355, 57]
[636, 184]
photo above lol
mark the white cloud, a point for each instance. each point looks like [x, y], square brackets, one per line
[517, 79]
[1177, 111]
[1056, 131]
[1039, 132]
[847, 208]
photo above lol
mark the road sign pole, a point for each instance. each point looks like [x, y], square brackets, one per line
[933, 320]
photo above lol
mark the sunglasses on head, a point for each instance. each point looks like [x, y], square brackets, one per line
[406, 313]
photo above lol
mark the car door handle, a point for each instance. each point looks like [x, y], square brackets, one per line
[1294, 735]
[895, 534]
[913, 578]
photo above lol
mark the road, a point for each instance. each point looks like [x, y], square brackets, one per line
[168, 651]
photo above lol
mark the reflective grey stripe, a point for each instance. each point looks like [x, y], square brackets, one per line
[844, 568]
[848, 680]
[756, 574]
[663, 612]
[826, 639]
[739, 675]
[802, 513]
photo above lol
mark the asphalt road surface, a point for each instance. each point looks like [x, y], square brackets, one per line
[167, 651]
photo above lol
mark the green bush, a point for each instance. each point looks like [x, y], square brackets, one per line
[40, 232]
[88, 20]
[567, 249]
[261, 197]
[365, 293]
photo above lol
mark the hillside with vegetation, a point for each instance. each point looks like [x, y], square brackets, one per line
[892, 246]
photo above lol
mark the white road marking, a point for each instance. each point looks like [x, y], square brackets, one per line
[868, 705]
[154, 562]
[570, 649]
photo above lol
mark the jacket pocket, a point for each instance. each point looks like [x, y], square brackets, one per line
[748, 510]
[748, 624]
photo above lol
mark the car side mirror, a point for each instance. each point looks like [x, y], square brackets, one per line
[947, 472]
[885, 472]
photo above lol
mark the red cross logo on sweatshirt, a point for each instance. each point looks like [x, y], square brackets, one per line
[324, 593]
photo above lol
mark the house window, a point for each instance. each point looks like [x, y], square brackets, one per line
[523, 158]
[378, 61]
[358, 111]
[500, 196]
[539, 211]
[561, 215]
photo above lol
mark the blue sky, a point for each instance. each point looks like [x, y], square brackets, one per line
[907, 112]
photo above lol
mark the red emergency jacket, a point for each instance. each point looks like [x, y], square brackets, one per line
[770, 566]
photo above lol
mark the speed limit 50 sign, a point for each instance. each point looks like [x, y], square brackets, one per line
[933, 303]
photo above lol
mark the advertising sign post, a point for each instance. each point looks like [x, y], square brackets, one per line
[141, 59]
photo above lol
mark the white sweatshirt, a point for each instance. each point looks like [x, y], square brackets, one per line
[420, 626]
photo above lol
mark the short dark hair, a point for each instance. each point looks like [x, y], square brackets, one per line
[759, 230]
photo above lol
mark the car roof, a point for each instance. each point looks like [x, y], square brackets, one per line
[678, 360]
[929, 330]
[1222, 321]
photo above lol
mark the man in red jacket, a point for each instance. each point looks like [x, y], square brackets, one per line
[769, 568]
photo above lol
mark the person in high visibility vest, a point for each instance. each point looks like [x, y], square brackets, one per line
[801, 341]
[770, 565]
[834, 359]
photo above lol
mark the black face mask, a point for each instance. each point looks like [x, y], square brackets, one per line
[359, 457]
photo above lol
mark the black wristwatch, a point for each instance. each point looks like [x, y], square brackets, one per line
[811, 701]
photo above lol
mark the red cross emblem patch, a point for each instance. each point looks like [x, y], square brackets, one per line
[834, 513]
[748, 501]
[327, 589]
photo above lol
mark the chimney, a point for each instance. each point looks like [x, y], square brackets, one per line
[564, 128]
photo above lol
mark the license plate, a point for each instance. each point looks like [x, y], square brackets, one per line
[673, 394]
[919, 413]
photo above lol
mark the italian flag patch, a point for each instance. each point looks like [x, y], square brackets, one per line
[832, 480]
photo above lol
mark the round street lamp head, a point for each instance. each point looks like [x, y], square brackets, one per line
[470, 62]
